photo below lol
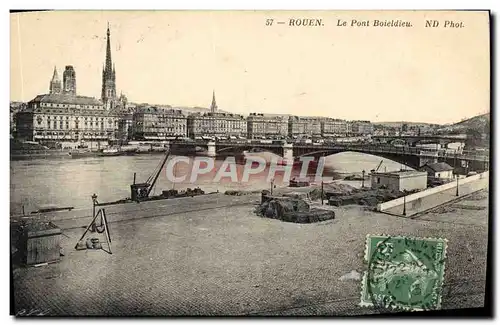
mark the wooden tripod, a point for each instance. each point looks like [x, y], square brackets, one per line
[101, 212]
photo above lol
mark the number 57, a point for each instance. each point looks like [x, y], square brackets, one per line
[269, 22]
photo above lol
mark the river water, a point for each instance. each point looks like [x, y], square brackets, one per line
[71, 182]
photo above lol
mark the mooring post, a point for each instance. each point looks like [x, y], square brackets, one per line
[94, 200]
[363, 179]
[404, 205]
[456, 194]
[322, 192]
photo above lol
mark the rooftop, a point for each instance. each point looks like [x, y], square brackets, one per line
[400, 173]
[439, 167]
[158, 110]
[66, 99]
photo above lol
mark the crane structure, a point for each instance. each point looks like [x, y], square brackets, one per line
[378, 167]
[141, 191]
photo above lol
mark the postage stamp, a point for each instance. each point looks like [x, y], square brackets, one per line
[403, 273]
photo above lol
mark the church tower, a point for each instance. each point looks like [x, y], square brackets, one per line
[69, 81]
[55, 83]
[213, 106]
[108, 94]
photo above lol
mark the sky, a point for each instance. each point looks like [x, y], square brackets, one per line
[416, 74]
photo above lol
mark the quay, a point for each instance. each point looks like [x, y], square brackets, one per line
[212, 255]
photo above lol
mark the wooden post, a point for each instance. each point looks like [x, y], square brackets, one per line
[457, 187]
[134, 178]
[404, 205]
[322, 192]
[23, 210]
[94, 200]
[272, 185]
[455, 161]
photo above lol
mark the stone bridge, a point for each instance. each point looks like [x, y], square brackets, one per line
[409, 156]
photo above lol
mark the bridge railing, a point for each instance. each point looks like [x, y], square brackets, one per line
[381, 148]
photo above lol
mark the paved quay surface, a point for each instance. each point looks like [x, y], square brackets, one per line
[225, 260]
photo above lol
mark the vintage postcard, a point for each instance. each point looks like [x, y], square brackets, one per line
[249, 163]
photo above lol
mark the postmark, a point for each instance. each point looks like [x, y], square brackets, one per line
[404, 273]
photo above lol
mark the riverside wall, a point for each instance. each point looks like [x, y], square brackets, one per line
[436, 196]
[158, 208]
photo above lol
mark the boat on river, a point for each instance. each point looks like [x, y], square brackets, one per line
[111, 152]
[83, 153]
[108, 152]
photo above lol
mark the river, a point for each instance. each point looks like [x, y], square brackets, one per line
[71, 182]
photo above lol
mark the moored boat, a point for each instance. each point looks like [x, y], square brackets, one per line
[110, 152]
[83, 153]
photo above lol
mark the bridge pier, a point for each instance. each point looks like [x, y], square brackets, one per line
[212, 152]
[288, 151]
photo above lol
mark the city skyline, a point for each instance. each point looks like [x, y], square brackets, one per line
[267, 81]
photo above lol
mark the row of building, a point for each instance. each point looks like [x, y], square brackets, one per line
[63, 115]
[72, 118]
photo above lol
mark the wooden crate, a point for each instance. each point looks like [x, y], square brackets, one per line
[41, 244]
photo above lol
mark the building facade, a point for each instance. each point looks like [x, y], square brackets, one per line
[334, 127]
[267, 126]
[361, 128]
[220, 125]
[410, 180]
[63, 116]
[156, 123]
[299, 126]
[440, 170]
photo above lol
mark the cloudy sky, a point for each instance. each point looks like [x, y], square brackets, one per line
[418, 74]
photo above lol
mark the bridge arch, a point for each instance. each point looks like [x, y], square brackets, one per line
[411, 161]
[398, 142]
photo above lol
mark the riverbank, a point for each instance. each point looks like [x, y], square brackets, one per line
[39, 154]
[226, 260]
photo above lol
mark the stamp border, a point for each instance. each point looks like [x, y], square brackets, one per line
[364, 280]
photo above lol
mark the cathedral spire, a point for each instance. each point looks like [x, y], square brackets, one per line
[55, 83]
[109, 63]
[55, 76]
[213, 106]
[108, 94]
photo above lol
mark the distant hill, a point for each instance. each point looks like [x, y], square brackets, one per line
[400, 124]
[476, 123]
[479, 123]
[194, 110]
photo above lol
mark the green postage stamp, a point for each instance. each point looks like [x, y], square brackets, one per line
[403, 272]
